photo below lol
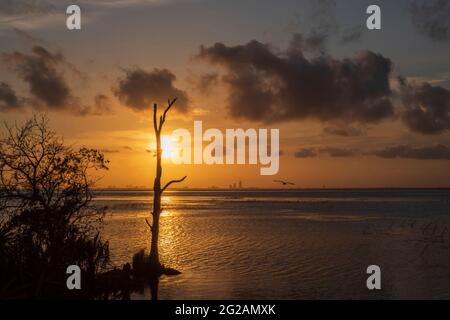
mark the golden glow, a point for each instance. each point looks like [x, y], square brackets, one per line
[169, 149]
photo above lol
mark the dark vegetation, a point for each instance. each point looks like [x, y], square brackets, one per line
[47, 220]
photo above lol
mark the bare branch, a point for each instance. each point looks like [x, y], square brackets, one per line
[162, 118]
[169, 105]
[173, 181]
[161, 122]
[149, 225]
[155, 124]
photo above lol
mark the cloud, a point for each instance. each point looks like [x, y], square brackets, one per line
[8, 98]
[102, 103]
[352, 34]
[39, 71]
[313, 43]
[139, 89]
[43, 72]
[335, 152]
[101, 106]
[323, 25]
[305, 153]
[437, 152]
[345, 131]
[431, 18]
[339, 152]
[427, 107]
[205, 82]
[321, 16]
[274, 87]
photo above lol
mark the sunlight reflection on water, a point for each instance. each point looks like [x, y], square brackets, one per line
[236, 245]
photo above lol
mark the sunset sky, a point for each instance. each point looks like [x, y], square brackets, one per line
[355, 108]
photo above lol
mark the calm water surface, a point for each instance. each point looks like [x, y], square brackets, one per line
[306, 244]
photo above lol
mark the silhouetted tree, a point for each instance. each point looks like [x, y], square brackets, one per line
[154, 260]
[47, 221]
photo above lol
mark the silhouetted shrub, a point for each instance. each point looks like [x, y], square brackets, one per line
[47, 221]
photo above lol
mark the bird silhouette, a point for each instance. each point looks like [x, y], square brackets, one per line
[284, 183]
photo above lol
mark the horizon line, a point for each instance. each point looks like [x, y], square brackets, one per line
[274, 189]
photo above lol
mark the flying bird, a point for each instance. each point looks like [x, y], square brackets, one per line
[284, 182]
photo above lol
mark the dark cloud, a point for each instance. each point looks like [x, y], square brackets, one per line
[427, 107]
[437, 152]
[334, 152]
[322, 25]
[313, 43]
[270, 87]
[432, 18]
[205, 82]
[313, 28]
[101, 106]
[306, 153]
[352, 34]
[139, 89]
[40, 71]
[43, 72]
[339, 152]
[345, 131]
[321, 16]
[102, 103]
[8, 98]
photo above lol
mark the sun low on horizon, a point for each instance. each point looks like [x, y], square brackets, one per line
[229, 157]
[170, 149]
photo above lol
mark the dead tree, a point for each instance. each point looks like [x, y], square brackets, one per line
[157, 189]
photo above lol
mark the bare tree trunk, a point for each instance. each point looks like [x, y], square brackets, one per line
[155, 263]
[157, 192]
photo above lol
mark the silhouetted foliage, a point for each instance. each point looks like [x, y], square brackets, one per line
[47, 221]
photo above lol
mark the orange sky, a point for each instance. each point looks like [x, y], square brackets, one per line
[168, 35]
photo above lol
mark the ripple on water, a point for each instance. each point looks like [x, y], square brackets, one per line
[231, 249]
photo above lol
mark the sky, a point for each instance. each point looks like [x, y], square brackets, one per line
[355, 107]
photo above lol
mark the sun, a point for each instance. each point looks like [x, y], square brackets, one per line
[168, 147]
